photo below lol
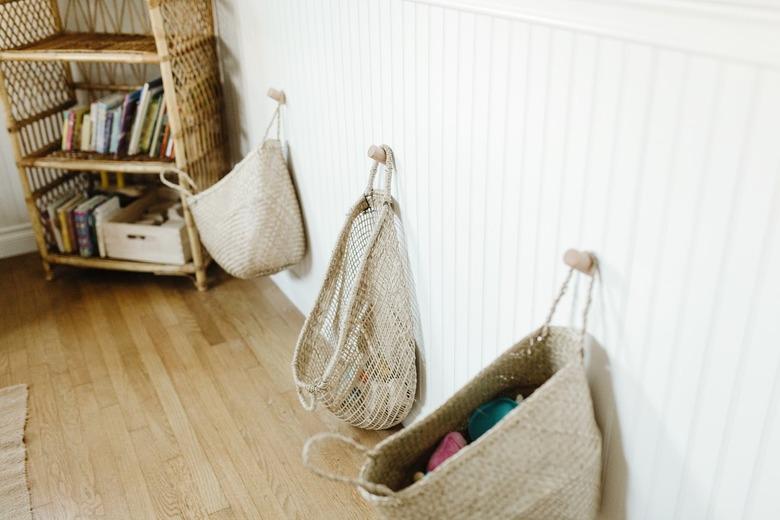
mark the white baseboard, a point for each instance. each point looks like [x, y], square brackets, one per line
[16, 240]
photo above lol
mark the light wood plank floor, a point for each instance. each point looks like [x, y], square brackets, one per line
[149, 399]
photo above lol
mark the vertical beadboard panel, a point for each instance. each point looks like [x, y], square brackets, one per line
[518, 136]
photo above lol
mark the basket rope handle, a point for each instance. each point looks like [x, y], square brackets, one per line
[545, 329]
[179, 186]
[305, 395]
[317, 440]
[389, 170]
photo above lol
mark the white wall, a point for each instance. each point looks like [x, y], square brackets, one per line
[644, 130]
[16, 236]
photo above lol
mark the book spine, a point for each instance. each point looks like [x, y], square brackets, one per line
[164, 143]
[74, 244]
[64, 144]
[108, 121]
[86, 128]
[92, 229]
[93, 117]
[128, 113]
[115, 127]
[100, 146]
[75, 135]
[82, 232]
[55, 227]
[65, 227]
[71, 128]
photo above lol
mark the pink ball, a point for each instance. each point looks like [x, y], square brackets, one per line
[449, 446]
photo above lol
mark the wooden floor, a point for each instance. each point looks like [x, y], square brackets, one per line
[149, 399]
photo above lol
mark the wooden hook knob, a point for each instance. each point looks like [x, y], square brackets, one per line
[276, 95]
[582, 261]
[377, 153]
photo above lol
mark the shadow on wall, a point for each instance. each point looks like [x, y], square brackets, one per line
[302, 268]
[421, 366]
[626, 493]
[613, 500]
[234, 108]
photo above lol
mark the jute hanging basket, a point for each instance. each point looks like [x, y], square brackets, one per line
[540, 462]
[356, 353]
[250, 221]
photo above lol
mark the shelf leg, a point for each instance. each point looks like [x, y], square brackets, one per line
[200, 279]
[197, 252]
[48, 271]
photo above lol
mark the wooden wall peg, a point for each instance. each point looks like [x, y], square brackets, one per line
[377, 153]
[277, 95]
[582, 261]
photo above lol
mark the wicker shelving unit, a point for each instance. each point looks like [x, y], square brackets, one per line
[50, 59]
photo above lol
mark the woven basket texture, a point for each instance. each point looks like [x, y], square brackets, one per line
[541, 462]
[357, 351]
[250, 221]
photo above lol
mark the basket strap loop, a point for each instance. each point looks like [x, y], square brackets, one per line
[184, 181]
[545, 329]
[314, 442]
[277, 116]
[389, 170]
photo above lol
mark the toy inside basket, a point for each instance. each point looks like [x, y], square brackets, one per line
[524, 369]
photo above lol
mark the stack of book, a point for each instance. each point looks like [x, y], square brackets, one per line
[122, 125]
[74, 221]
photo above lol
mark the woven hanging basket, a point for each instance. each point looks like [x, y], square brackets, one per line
[540, 462]
[249, 221]
[357, 350]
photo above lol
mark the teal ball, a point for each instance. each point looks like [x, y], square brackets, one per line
[488, 414]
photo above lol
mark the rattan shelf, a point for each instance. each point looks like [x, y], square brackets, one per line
[123, 265]
[53, 54]
[88, 47]
[93, 162]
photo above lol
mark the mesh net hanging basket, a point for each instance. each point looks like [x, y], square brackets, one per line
[542, 461]
[357, 351]
[250, 221]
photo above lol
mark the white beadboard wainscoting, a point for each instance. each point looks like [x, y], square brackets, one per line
[646, 131]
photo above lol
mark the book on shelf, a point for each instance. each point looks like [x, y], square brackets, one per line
[102, 109]
[149, 90]
[74, 136]
[65, 124]
[66, 224]
[71, 128]
[166, 136]
[116, 123]
[81, 219]
[129, 108]
[53, 220]
[108, 124]
[100, 214]
[74, 219]
[162, 119]
[149, 122]
[122, 124]
[86, 132]
[94, 115]
[71, 221]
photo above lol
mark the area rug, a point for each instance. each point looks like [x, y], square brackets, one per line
[14, 495]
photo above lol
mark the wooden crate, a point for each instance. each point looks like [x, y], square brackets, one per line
[164, 244]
